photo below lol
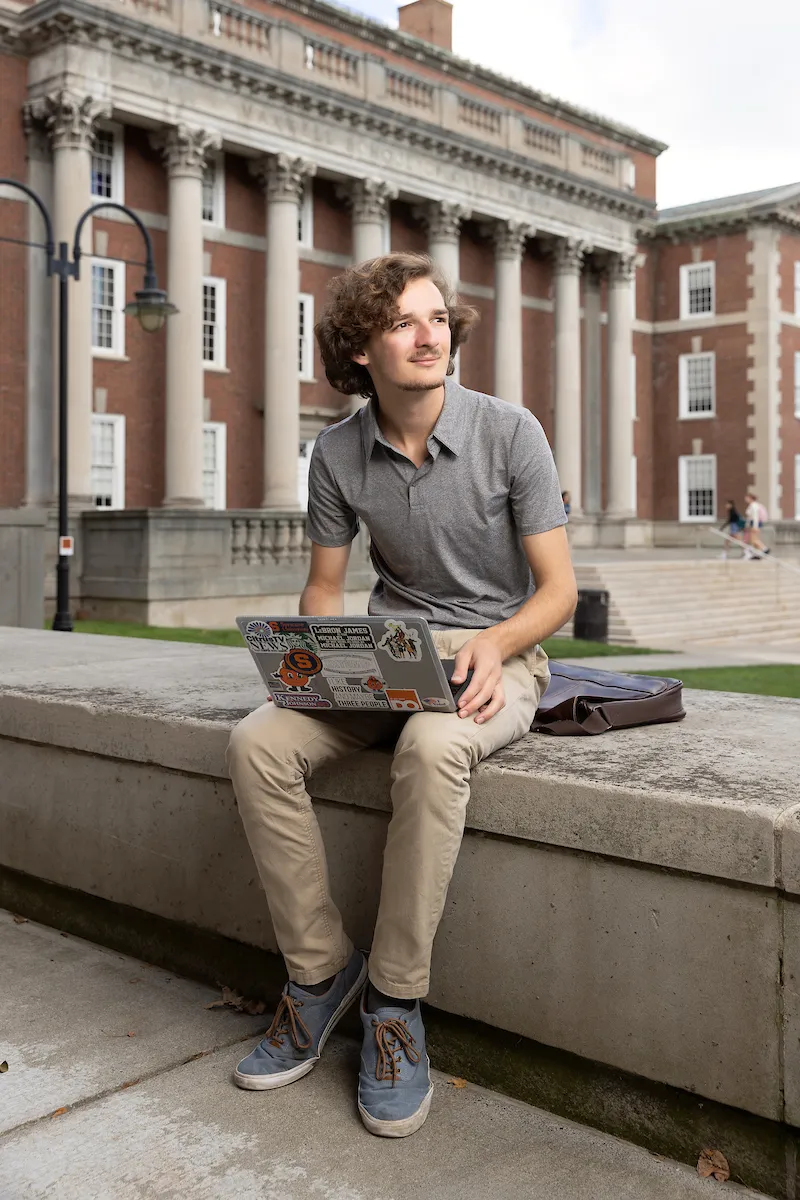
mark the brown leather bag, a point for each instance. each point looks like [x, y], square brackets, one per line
[581, 700]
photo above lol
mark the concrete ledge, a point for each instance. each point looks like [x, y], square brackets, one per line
[629, 899]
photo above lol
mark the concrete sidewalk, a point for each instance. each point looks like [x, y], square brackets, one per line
[755, 655]
[89, 1112]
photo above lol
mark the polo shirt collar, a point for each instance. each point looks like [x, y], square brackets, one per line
[448, 430]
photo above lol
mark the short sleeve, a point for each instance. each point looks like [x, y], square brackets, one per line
[330, 520]
[534, 488]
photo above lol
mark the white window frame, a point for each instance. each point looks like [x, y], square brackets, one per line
[683, 489]
[217, 363]
[117, 348]
[797, 383]
[683, 386]
[305, 343]
[216, 163]
[220, 431]
[117, 163]
[117, 423]
[797, 289]
[797, 487]
[305, 217]
[685, 278]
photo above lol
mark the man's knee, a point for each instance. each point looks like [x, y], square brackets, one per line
[435, 742]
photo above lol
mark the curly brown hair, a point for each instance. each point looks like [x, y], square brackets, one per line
[364, 299]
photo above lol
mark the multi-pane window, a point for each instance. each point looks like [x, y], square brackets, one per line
[214, 322]
[214, 464]
[697, 487]
[697, 289]
[797, 383]
[108, 299]
[697, 384]
[305, 217]
[797, 289]
[108, 460]
[303, 464]
[305, 337]
[108, 163]
[213, 202]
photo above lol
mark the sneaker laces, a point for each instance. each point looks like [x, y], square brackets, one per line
[393, 1039]
[287, 1020]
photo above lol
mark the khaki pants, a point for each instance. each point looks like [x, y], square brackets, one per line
[271, 753]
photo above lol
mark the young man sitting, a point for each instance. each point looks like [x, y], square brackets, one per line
[460, 495]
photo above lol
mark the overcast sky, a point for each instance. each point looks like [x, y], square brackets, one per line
[717, 80]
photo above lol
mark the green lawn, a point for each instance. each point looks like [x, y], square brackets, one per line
[774, 679]
[555, 647]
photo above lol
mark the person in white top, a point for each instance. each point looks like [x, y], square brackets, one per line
[755, 515]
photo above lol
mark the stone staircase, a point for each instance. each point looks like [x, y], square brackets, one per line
[706, 602]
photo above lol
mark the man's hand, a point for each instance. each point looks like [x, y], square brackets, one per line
[485, 695]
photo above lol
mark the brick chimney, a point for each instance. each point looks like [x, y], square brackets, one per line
[430, 20]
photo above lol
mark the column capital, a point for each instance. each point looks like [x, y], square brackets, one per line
[509, 238]
[68, 118]
[569, 254]
[622, 267]
[368, 198]
[185, 149]
[283, 176]
[442, 219]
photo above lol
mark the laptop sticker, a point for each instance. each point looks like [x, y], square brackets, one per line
[404, 700]
[297, 670]
[372, 683]
[351, 695]
[402, 643]
[260, 636]
[304, 700]
[343, 637]
[339, 663]
[434, 702]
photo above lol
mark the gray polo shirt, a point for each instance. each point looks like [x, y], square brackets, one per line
[445, 537]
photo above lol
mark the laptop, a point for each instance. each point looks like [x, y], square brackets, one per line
[340, 664]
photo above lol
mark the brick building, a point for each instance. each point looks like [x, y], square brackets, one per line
[267, 146]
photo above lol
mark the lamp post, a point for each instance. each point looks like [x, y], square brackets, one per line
[150, 307]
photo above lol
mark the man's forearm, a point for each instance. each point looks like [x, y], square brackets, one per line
[547, 610]
[317, 601]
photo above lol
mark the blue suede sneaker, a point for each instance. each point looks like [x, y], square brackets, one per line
[394, 1084]
[302, 1024]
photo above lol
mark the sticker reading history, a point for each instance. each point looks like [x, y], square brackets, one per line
[352, 695]
[343, 637]
[402, 643]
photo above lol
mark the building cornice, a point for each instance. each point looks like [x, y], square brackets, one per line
[720, 224]
[392, 40]
[54, 22]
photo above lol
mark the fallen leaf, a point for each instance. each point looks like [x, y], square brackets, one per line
[131, 1035]
[712, 1164]
[3, 1068]
[20, 920]
[65, 935]
[137, 980]
[457, 1083]
[59, 1112]
[231, 999]
[200, 1054]
[130, 1083]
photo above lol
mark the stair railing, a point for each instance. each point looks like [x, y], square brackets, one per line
[781, 562]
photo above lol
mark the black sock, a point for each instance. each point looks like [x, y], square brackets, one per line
[377, 999]
[316, 989]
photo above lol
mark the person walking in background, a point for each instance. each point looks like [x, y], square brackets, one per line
[755, 516]
[566, 501]
[733, 524]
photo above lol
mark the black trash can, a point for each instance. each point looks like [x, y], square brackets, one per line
[591, 615]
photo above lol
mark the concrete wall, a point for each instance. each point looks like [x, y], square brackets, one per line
[22, 549]
[632, 899]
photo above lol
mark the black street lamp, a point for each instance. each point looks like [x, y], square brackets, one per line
[151, 308]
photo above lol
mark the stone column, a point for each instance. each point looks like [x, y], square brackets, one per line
[40, 486]
[592, 394]
[568, 438]
[442, 221]
[370, 200]
[283, 178]
[620, 407]
[69, 120]
[184, 150]
[509, 242]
